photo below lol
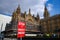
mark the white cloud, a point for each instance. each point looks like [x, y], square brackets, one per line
[3, 20]
[35, 5]
[50, 7]
[39, 8]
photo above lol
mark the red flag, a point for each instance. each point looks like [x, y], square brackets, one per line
[21, 29]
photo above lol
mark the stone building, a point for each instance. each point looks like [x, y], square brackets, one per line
[33, 24]
[50, 24]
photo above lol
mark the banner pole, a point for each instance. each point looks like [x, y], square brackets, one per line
[20, 38]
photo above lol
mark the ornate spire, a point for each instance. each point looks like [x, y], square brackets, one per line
[29, 11]
[16, 14]
[33, 15]
[38, 16]
[13, 15]
[46, 13]
[18, 9]
[24, 14]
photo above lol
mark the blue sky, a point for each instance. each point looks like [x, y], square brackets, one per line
[56, 6]
[8, 6]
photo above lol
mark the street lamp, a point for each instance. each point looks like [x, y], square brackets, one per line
[1, 36]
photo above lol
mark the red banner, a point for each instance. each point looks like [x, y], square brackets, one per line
[21, 29]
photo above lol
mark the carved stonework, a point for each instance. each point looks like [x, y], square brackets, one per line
[31, 22]
[46, 13]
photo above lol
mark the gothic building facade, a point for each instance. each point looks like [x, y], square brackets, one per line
[50, 24]
[33, 24]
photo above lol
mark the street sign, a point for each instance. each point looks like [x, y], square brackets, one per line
[21, 29]
[30, 34]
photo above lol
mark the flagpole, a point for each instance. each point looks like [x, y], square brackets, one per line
[1, 31]
[20, 38]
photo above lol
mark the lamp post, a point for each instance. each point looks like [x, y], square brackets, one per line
[1, 31]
